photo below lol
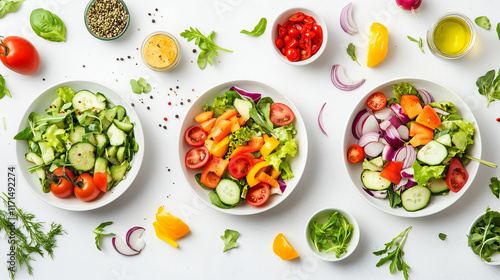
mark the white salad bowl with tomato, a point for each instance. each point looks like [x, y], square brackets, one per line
[395, 146]
[88, 197]
[203, 152]
[298, 36]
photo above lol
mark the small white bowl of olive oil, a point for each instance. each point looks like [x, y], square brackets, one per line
[451, 36]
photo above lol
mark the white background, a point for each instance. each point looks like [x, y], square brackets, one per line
[325, 182]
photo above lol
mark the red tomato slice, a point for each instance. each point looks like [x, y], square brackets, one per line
[376, 101]
[195, 136]
[281, 31]
[258, 194]
[197, 157]
[457, 176]
[297, 17]
[281, 114]
[240, 166]
[355, 153]
[101, 180]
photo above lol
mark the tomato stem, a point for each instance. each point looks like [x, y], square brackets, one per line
[5, 48]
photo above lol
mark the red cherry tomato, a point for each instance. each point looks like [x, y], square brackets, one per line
[292, 54]
[355, 153]
[279, 43]
[293, 32]
[85, 188]
[19, 55]
[197, 157]
[308, 20]
[376, 101]
[318, 30]
[280, 114]
[287, 39]
[195, 136]
[308, 36]
[62, 185]
[281, 31]
[258, 194]
[101, 180]
[457, 176]
[240, 166]
[297, 17]
[294, 43]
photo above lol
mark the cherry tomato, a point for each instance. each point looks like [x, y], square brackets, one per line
[240, 166]
[85, 188]
[457, 176]
[294, 43]
[281, 31]
[355, 153]
[258, 194]
[316, 44]
[197, 157]
[309, 34]
[297, 17]
[287, 39]
[318, 30]
[19, 55]
[376, 101]
[293, 32]
[308, 20]
[280, 114]
[62, 185]
[279, 43]
[195, 136]
[292, 54]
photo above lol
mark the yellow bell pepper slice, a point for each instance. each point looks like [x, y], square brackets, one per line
[270, 143]
[160, 233]
[377, 44]
[283, 249]
[168, 227]
[220, 149]
[251, 178]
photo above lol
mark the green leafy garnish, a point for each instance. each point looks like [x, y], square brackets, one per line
[99, 233]
[3, 89]
[29, 235]
[238, 138]
[419, 42]
[495, 186]
[334, 235]
[483, 22]
[48, 25]
[287, 148]
[423, 174]
[258, 29]
[351, 51]
[140, 86]
[442, 236]
[206, 44]
[396, 256]
[498, 30]
[394, 198]
[230, 236]
[215, 200]
[484, 237]
[489, 86]
[9, 6]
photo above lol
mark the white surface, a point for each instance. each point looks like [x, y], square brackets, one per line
[325, 182]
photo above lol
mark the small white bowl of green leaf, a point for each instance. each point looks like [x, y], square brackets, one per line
[484, 237]
[332, 234]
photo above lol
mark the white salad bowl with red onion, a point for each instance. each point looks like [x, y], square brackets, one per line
[384, 133]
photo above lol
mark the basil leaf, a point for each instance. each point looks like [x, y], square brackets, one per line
[136, 88]
[3, 89]
[48, 25]
[146, 87]
[483, 22]
[202, 59]
[9, 6]
[258, 29]
[351, 51]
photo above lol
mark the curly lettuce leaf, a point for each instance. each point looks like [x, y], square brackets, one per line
[66, 94]
[287, 148]
[446, 106]
[423, 174]
[238, 138]
[405, 88]
[56, 137]
[222, 103]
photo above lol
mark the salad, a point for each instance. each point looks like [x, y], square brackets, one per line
[242, 144]
[411, 148]
[82, 145]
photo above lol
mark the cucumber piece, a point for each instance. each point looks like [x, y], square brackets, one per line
[118, 171]
[86, 100]
[82, 156]
[228, 192]
[375, 164]
[120, 112]
[104, 120]
[438, 186]
[126, 127]
[89, 138]
[116, 136]
[243, 107]
[415, 198]
[121, 153]
[102, 141]
[76, 135]
[93, 127]
[101, 164]
[47, 152]
[36, 159]
[54, 106]
[444, 139]
[372, 181]
[433, 153]
[101, 98]
[111, 114]
[111, 151]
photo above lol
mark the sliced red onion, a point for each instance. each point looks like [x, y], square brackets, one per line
[388, 153]
[407, 173]
[373, 149]
[400, 154]
[370, 125]
[357, 124]
[401, 185]
[368, 138]
[276, 191]
[134, 238]
[282, 184]
[376, 194]
[252, 95]
[346, 20]
[383, 113]
[320, 120]
[383, 141]
[411, 156]
[341, 82]
[398, 110]
[384, 125]
[393, 138]
[440, 111]
[122, 247]
[426, 96]
[411, 183]
[404, 132]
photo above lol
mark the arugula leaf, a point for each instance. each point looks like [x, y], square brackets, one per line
[206, 44]
[489, 86]
[483, 22]
[3, 89]
[394, 198]
[396, 256]
[99, 233]
[230, 236]
[495, 186]
[333, 235]
[351, 51]
[258, 29]
[419, 42]
[9, 6]
[484, 236]
[442, 236]
[47, 25]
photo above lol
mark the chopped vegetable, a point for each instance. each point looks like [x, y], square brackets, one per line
[99, 233]
[140, 86]
[351, 51]
[168, 227]
[489, 86]
[7, 6]
[442, 236]
[346, 21]
[484, 237]
[320, 119]
[206, 44]
[333, 235]
[4, 91]
[283, 249]
[48, 25]
[419, 42]
[340, 81]
[258, 30]
[498, 30]
[230, 236]
[495, 186]
[378, 42]
[483, 22]
[396, 256]
[409, 5]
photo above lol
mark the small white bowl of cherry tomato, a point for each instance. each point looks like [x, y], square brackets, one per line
[299, 36]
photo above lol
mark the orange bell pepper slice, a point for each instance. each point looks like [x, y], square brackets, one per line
[266, 178]
[220, 149]
[213, 170]
[208, 124]
[221, 130]
[251, 176]
[283, 249]
[201, 117]
[252, 146]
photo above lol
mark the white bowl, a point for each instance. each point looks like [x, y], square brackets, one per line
[495, 258]
[297, 163]
[322, 216]
[437, 203]
[282, 18]
[39, 105]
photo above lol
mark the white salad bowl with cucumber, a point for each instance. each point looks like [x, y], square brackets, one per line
[116, 146]
[417, 200]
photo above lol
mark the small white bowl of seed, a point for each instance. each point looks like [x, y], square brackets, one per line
[107, 19]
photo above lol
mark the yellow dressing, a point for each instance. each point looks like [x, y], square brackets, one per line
[452, 36]
[160, 51]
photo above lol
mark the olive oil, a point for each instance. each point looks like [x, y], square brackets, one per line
[452, 36]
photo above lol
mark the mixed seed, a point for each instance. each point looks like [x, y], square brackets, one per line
[107, 18]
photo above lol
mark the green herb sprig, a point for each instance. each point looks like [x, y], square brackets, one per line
[206, 44]
[99, 233]
[484, 237]
[396, 256]
[3, 89]
[419, 42]
[47, 25]
[351, 51]
[230, 236]
[489, 86]
[442, 236]
[258, 29]
[334, 235]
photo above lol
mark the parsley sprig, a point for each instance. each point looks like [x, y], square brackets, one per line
[207, 45]
[396, 256]
[99, 233]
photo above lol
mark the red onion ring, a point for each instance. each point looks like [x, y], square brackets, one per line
[341, 82]
[320, 119]
[346, 20]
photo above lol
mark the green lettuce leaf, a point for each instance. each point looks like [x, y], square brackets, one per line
[287, 147]
[405, 88]
[423, 174]
[66, 94]
[230, 236]
[53, 136]
[238, 138]
[222, 103]
[445, 106]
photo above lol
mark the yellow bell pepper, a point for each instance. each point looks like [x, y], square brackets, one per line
[220, 149]
[168, 227]
[283, 249]
[270, 143]
[251, 178]
[160, 233]
[377, 44]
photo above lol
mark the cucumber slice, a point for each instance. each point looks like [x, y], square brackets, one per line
[89, 138]
[444, 139]
[243, 107]
[121, 154]
[102, 142]
[433, 153]
[86, 100]
[118, 171]
[120, 112]
[76, 135]
[438, 186]
[101, 164]
[415, 198]
[372, 181]
[228, 192]
[116, 136]
[82, 156]
[127, 127]
[34, 158]
[47, 152]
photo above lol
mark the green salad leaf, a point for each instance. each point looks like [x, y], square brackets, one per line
[258, 30]
[495, 186]
[66, 94]
[206, 44]
[215, 200]
[288, 147]
[333, 235]
[230, 236]
[99, 233]
[446, 106]
[396, 256]
[423, 174]
[484, 237]
[264, 108]
[7, 6]
[483, 22]
[3, 89]
[405, 88]
[48, 25]
[238, 138]
[442, 236]
[222, 103]
[489, 86]
[351, 51]
[140, 86]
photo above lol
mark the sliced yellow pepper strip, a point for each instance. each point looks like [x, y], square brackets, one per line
[251, 178]
[220, 149]
[168, 227]
[270, 143]
[283, 249]
[160, 233]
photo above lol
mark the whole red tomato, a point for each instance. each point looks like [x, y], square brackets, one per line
[19, 55]
[85, 188]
